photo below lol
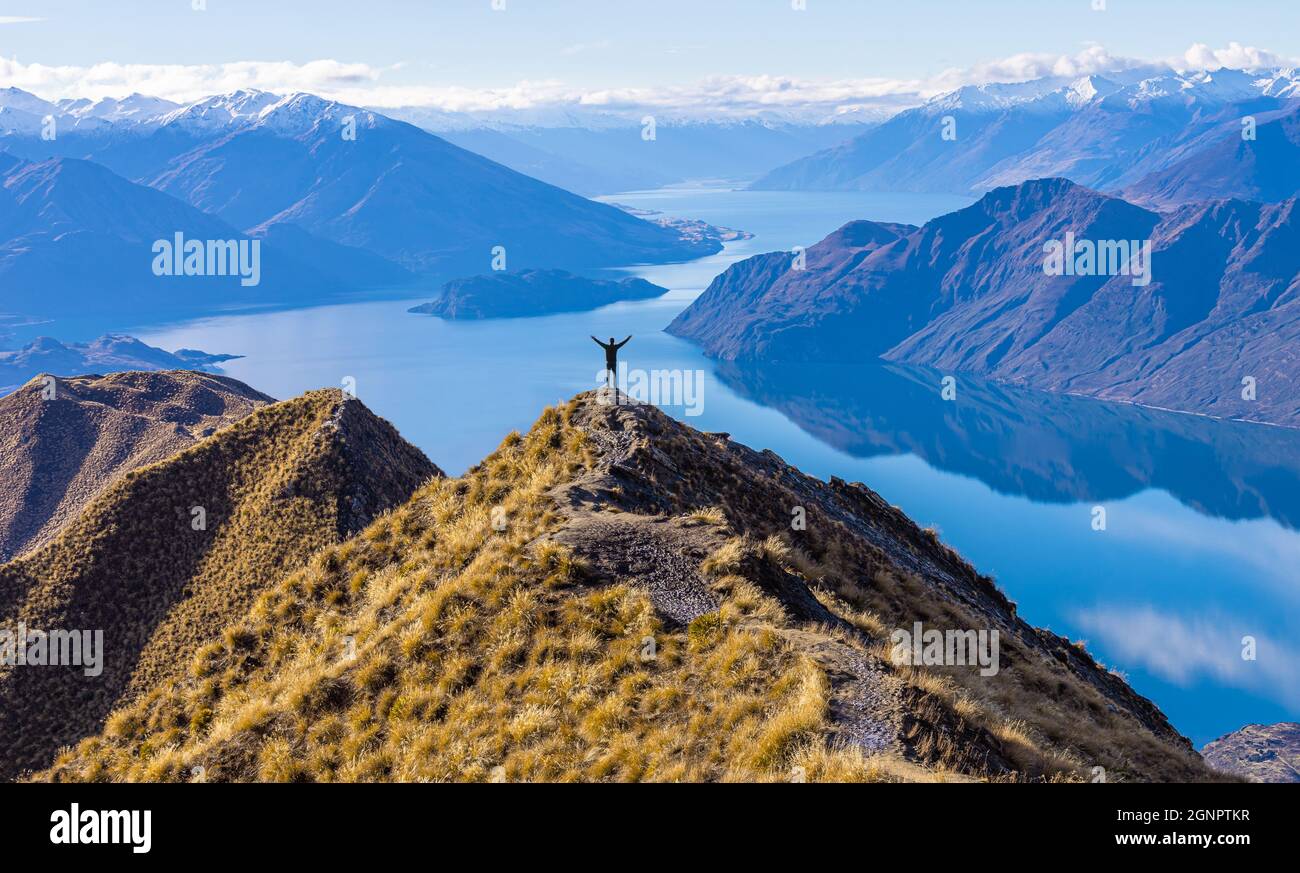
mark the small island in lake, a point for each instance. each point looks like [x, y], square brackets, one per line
[532, 292]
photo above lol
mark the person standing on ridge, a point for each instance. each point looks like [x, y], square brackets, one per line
[611, 358]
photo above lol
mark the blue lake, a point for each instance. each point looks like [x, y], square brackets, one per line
[1200, 547]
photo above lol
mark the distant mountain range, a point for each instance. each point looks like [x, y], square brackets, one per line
[75, 237]
[1266, 168]
[343, 200]
[607, 156]
[1159, 136]
[108, 354]
[532, 292]
[1211, 327]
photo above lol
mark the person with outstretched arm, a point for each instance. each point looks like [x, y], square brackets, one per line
[611, 357]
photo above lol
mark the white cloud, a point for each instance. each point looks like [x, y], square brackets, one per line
[725, 95]
[1263, 545]
[1236, 56]
[17, 19]
[1185, 650]
[1092, 59]
[183, 82]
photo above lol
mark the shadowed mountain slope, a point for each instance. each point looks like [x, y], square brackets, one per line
[398, 191]
[1215, 309]
[172, 552]
[61, 445]
[1264, 169]
[342, 202]
[75, 238]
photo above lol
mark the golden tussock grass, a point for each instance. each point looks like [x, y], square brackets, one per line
[439, 646]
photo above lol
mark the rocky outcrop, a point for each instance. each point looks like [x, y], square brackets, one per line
[1258, 752]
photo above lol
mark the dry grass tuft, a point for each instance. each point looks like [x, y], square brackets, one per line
[713, 515]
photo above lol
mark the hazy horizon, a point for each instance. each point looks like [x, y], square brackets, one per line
[741, 59]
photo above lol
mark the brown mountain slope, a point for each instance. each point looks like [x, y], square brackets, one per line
[1258, 752]
[160, 577]
[579, 607]
[63, 444]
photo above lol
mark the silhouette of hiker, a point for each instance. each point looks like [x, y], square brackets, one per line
[611, 357]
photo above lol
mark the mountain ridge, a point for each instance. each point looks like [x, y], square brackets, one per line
[79, 238]
[170, 552]
[578, 607]
[110, 353]
[972, 291]
[358, 178]
[1151, 134]
[65, 441]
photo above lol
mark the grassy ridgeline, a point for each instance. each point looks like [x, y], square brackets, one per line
[577, 608]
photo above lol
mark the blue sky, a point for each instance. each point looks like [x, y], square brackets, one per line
[408, 51]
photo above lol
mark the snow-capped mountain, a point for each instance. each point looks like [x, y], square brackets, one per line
[1283, 83]
[361, 179]
[136, 108]
[590, 150]
[17, 121]
[218, 112]
[1106, 131]
[1037, 94]
[21, 101]
[24, 113]
[342, 197]
[222, 110]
